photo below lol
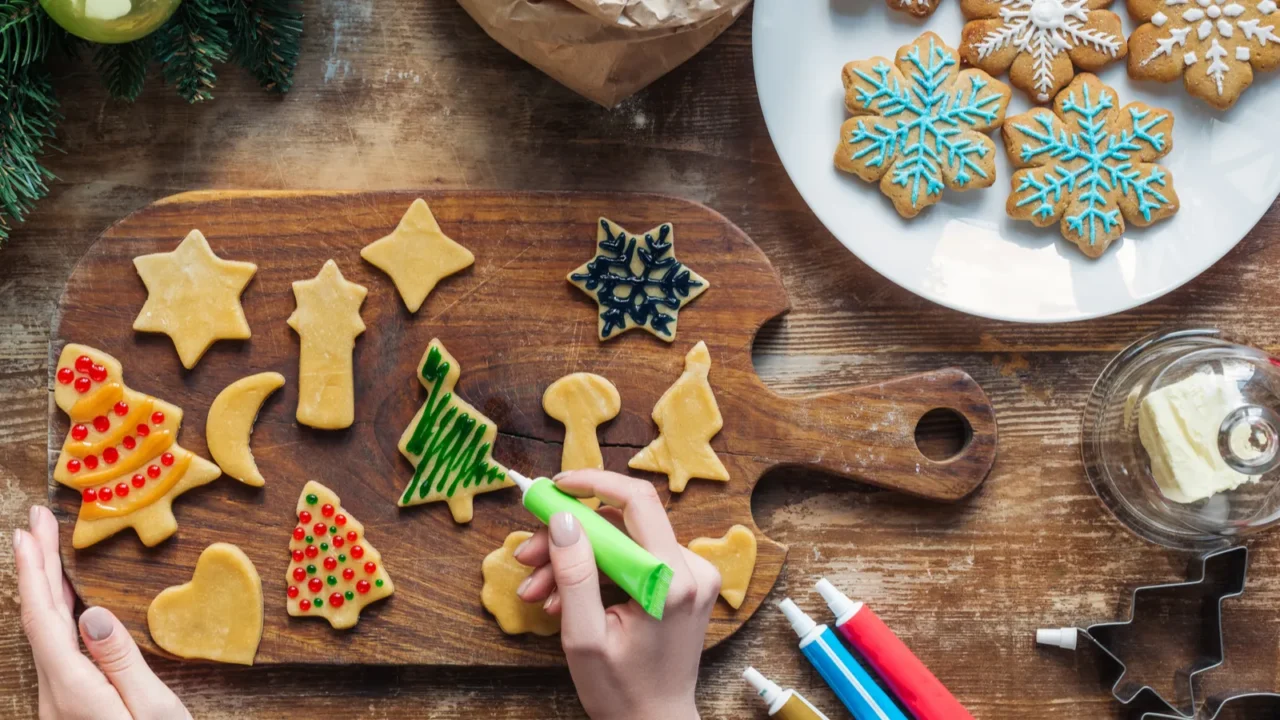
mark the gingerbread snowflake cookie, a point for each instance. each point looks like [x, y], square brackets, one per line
[1040, 43]
[919, 124]
[1215, 45]
[1089, 164]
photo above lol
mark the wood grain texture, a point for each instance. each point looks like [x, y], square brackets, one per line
[413, 94]
[515, 326]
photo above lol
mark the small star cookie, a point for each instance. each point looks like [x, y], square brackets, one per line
[417, 255]
[193, 296]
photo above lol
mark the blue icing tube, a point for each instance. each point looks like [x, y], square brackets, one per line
[851, 683]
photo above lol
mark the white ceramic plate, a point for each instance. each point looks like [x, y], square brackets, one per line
[965, 252]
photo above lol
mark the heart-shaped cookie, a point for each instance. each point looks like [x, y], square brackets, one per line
[216, 616]
[734, 555]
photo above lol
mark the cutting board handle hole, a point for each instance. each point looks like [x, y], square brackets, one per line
[942, 434]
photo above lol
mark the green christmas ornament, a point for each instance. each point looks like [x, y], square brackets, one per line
[110, 21]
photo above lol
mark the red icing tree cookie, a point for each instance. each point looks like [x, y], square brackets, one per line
[333, 570]
[122, 452]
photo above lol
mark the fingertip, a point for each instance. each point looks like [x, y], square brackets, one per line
[97, 624]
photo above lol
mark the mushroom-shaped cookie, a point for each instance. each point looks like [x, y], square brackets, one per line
[582, 401]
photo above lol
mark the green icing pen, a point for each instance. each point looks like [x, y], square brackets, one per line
[643, 576]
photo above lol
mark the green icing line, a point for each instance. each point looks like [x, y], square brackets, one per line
[451, 443]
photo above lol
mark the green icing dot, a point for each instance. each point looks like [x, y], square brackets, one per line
[333, 529]
[349, 595]
[324, 546]
[318, 603]
[311, 569]
[378, 583]
[309, 539]
[342, 558]
[312, 499]
[332, 580]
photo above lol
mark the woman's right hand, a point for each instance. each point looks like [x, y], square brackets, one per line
[624, 663]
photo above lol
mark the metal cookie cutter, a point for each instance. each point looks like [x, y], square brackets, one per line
[1215, 577]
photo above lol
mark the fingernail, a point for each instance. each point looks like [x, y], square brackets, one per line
[550, 598]
[97, 623]
[565, 529]
[33, 516]
[559, 475]
[520, 548]
[524, 585]
[17, 539]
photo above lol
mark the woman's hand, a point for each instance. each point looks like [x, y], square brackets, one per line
[624, 663]
[119, 685]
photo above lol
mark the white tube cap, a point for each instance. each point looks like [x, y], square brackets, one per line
[1064, 638]
[800, 622]
[765, 688]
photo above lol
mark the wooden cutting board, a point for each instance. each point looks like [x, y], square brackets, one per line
[515, 325]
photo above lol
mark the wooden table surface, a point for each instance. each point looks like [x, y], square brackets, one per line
[414, 94]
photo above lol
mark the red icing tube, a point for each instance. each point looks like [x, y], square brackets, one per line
[901, 671]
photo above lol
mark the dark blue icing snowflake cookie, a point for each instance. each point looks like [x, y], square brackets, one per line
[637, 281]
[1089, 164]
[919, 124]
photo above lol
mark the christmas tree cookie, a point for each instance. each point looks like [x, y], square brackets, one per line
[193, 296]
[328, 322]
[502, 575]
[122, 452]
[417, 255]
[637, 286]
[333, 570]
[218, 615]
[734, 555]
[687, 417]
[449, 442]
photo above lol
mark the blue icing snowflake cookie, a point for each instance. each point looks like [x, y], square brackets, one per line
[919, 124]
[1089, 165]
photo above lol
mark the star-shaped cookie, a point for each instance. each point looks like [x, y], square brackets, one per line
[193, 296]
[327, 321]
[417, 255]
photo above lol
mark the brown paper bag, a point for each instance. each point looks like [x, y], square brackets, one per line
[606, 50]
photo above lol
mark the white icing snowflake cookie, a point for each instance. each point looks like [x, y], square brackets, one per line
[918, 8]
[1040, 43]
[1215, 45]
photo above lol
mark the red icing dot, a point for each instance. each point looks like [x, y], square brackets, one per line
[166, 459]
[357, 551]
[101, 423]
[315, 585]
[143, 430]
[128, 442]
[348, 573]
[352, 536]
[137, 480]
[297, 556]
[330, 563]
[90, 461]
[304, 517]
[326, 510]
[83, 363]
[312, 551]
[370, 567]
[362, 587]
[335, 599]
[104, 494]
[340, 520]
[299, 533]
[338, 541]
[153, 471]
[110, 455]
[66, 375]
[299, 574]
[293, 591]
[121, 408]
[320, 528]
[122, 489]
[73, 465]
[79, 432]
[157, 418]
[97, 372]
[90, 495]
[83, 384]
[304, 605]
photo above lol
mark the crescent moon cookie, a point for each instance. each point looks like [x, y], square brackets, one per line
[417, 255]
[1216, 46]
[333, 570]
[122, 453]
[919, 124]
[502, 575]
[193, 296]
[328, 322]
[218, 615]
[1089, 165]
[230, 422]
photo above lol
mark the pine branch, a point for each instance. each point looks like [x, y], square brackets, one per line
[26, 33]
[189, 44]
[124, 67]
[268, 35]
[28, 116]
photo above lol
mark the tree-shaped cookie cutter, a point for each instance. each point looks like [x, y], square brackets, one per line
[1215, 577]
